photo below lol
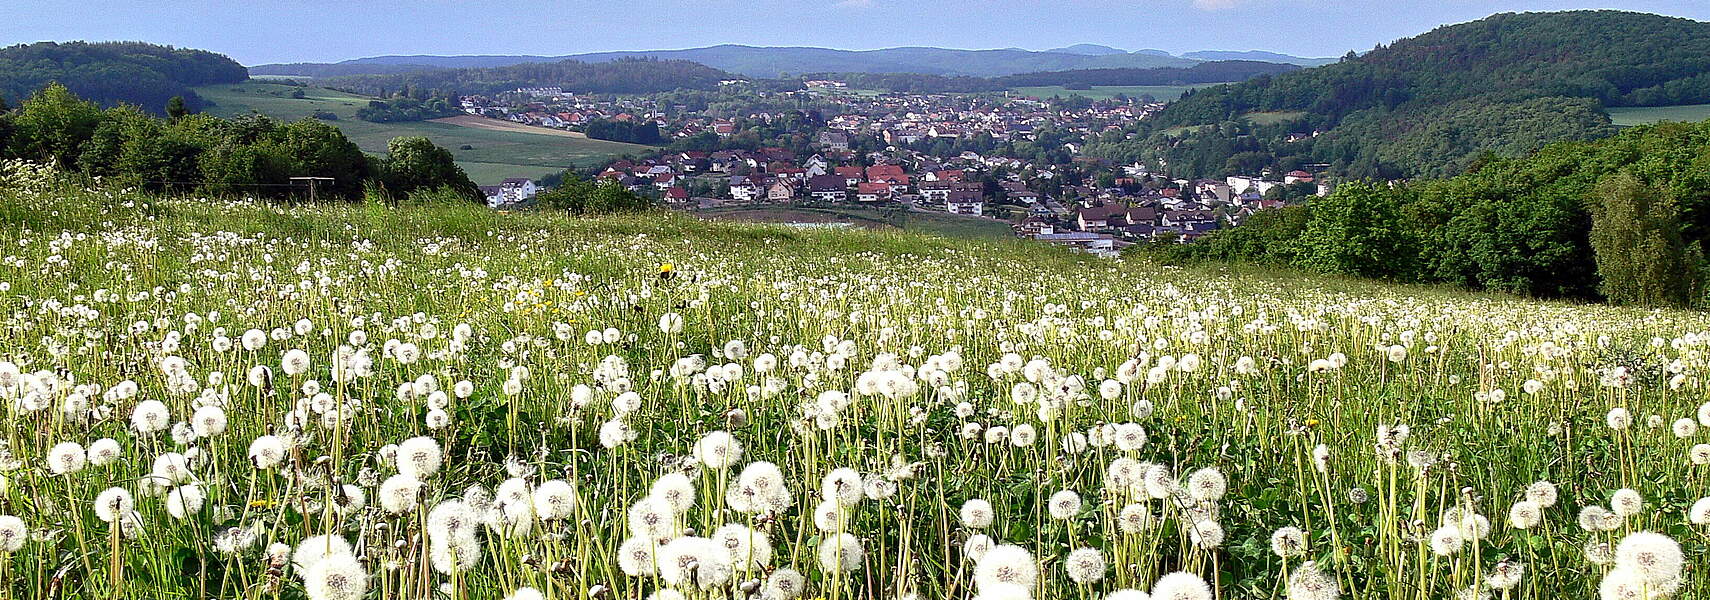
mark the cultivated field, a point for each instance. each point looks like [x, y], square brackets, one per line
[215, 400]
[1644, 115]
[494, 152]
[1164, 93]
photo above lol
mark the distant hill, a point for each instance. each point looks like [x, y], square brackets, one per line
[768, 62]
[628, 76]
[319, 70]
[1259, 55]
[111, 73]
[1088, 50]
[1206, 72]
[1432, 104]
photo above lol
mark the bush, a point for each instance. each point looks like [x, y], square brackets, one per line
[581, 197]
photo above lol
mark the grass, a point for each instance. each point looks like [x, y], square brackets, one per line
[934, 222]
[1644, 115]
[492, 155]
[1273, 118]
[1164, 93]
[538, 395]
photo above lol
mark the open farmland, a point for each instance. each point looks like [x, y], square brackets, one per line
[209, 399]
[494, 151]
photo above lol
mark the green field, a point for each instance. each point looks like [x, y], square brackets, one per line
[1644, 115]
[1273, 118]
[937, 223]
[1164, 93]
[492, 155]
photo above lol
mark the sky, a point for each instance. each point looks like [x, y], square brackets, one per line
[258, 32]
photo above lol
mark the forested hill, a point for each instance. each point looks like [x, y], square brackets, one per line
[1427, 105]
[629, 76]
[1206, 72]
[111, 73]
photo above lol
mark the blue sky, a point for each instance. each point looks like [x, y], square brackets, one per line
[323, 31]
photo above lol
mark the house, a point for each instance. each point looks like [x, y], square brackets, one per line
[781, 192]
[828, 188]
[1297, 176]
[677, 196]
[877, 172]
[745, 189]
[937, 190]
[1187, 218]
[1033, 226]
[1099, 218]
[872, 192]
[1096, 244]
[851, 175]
[510, 191]
[952, 175]
[833, 140]
[965, 203]
[1023, 197]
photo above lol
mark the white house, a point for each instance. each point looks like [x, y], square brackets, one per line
[961, 204]
[510, 191]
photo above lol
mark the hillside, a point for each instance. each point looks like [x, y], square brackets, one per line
[1198, 74]
[1427, 105]
[875, 415]
[1259, 55]
[769, 62]
[488, 155]
[627, 76]
[112, 73]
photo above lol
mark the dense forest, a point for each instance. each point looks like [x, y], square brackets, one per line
[1624, 218]
[1424, 106]
[629, 76]
[112, 73]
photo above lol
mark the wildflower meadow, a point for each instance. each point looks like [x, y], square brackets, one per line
[224, 399]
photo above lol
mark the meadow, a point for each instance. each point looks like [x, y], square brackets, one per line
[215, 398]
[1630, 116]
[921, 221]
[491, 156]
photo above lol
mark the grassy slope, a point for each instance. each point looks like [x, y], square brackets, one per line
[884, 292]
[494, 155]
[939, 223]
[1643, 115]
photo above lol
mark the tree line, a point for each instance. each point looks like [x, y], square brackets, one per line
[250, 156]
[1623, 219]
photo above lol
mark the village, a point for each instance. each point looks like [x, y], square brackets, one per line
[907, 152]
